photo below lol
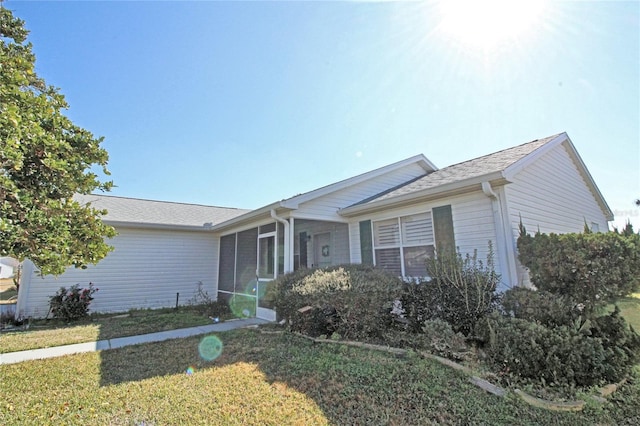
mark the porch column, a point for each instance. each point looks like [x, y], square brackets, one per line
[288, 247]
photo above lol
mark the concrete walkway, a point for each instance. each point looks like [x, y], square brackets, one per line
[119, 342]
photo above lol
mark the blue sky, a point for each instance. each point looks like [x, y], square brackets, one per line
[240, 104]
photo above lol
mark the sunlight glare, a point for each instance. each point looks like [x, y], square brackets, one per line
[487, 24]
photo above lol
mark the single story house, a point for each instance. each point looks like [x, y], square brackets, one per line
[392, 217]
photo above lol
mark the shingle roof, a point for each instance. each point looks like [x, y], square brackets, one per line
[477, 167]
[150, 212]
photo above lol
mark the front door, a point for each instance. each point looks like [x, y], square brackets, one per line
[267, 255]
[322, 250]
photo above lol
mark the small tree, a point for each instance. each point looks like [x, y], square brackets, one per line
[44, 160]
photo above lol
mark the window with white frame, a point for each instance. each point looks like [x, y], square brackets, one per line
[402, 245]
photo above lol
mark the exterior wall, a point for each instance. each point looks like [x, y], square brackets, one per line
[146, 270]
[339, 239]
[325, 208]
[551, 195]
[473, 225]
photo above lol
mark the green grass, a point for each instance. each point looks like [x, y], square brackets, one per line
[263, 379]
[630, 310]
[42, 333]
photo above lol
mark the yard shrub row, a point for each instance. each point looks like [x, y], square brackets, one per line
[559, 334]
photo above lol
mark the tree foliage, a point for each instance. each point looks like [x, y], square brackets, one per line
[44, 160]
[592, 269]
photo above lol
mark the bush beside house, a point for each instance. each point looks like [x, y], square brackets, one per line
[561, 334]
[558, 335]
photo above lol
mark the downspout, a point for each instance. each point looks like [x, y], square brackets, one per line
[506, 256]
[287, 241]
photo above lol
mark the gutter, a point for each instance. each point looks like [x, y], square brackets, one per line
[453, 188]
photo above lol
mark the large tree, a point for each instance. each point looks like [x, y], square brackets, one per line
[44, 160]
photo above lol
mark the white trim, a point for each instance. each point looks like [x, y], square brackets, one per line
[294, 202]
[533, 156]
[454, 188]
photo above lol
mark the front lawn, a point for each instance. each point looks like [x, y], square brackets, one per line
[48, 333]
[267, 379]
[630, 310]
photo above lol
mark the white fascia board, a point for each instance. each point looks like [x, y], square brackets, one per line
[441, 191]
[591, 184]
[531, 158]
[252, 216]
[142, 225]
[295, 201]
[563, 139]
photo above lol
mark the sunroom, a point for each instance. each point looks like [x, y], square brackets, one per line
[253, 255]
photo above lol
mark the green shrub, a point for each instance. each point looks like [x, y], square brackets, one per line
[584, 355]
[352, 300]
[620, 341]
[592, 269]
[71, 304]
[461, 291]
[441, 340]
[540, 306]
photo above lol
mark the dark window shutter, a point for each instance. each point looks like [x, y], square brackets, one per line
[443, 228]
[366, 242]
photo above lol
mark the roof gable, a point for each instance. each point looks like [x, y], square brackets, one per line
[420, 159]
[470, 172]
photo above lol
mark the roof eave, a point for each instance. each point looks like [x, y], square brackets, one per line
[441, 191]
[251, 216]
[167, 226]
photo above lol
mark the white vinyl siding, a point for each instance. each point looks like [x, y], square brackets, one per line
[146, 270]
[551, 195]
[473, 225]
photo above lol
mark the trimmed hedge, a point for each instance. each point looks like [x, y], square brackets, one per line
[593, 269]
[550, 310]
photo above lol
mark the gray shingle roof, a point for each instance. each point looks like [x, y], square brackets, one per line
[150, 212]
[477, 167]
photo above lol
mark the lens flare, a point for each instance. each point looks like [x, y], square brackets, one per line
[190, 370]
[210, 348]
[243, 306]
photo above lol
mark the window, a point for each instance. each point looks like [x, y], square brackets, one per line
[402, 245]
